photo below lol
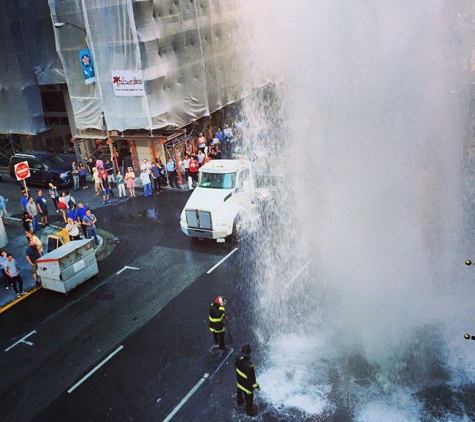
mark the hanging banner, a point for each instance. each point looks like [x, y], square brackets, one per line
[128, 83]
[87, 66]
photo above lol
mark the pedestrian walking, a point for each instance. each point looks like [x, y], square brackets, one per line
[217, 315]
[13, 273]
[246, 379]
[32, 255]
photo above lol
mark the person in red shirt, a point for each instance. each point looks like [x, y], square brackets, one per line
[194, 168]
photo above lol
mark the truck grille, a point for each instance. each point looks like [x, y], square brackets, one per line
[199, 219]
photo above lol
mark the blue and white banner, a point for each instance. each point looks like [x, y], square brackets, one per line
[87, 66]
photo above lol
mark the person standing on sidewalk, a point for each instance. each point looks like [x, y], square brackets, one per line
[73, 229]
[3, 262]
[3, 209]
[75, 174]
[24, 200]
[32, 255]
[82, 176]
[130, 178]
[89, 221]
[155, 173]
[97, 181]
[81, 212]
[54, 195]
[37, 241]
[145, 179]
[120, 182]
[105, 188]
[13, 273]
[32, 209]
[42, 208]
[171, 170]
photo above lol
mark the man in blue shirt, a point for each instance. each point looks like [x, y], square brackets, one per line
[81, 212]
[24, 201]
[72, 213]
[171, 170]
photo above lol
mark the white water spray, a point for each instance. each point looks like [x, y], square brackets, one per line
[374, 103]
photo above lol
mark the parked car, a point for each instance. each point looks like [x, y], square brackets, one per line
[44, 168]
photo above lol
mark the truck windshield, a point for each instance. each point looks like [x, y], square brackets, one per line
[217, 180]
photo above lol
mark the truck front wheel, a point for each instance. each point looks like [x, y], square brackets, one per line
[238, 229]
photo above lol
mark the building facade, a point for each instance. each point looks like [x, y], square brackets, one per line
[128, 72]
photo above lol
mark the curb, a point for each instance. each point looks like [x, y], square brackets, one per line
[18, 299]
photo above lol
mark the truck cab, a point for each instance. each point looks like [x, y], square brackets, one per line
[224, 204]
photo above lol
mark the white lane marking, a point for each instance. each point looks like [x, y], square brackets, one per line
[220, 262]
[85, 377]
[22, 340]
[185, 399]
[231, 350]
[126, 268]
[298, 273]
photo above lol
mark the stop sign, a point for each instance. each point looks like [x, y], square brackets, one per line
[22, 170]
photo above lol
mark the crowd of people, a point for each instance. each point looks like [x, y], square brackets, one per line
[79, 219]
[35, 212]
[178, 169]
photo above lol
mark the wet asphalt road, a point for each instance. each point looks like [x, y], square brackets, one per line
[146, 328]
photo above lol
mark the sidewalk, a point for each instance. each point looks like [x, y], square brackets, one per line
[17, 244]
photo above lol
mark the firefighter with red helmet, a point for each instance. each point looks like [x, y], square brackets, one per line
[246, 379]
[217, 314]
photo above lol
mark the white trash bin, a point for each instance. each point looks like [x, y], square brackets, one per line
[64, 268]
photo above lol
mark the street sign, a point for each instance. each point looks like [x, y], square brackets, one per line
[22, 170]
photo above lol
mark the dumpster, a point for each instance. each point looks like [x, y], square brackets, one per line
[68, 266]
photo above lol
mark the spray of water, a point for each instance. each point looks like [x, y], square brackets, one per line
[360, 282]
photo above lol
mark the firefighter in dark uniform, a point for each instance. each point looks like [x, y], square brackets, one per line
[246, 379]
[216, 321]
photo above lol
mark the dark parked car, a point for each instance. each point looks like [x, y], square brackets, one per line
[44, 168]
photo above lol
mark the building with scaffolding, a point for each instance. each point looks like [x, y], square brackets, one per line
[134, 75]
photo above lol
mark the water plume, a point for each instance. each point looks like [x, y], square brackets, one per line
[360, 281]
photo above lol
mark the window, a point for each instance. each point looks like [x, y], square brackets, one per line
[217, 180]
